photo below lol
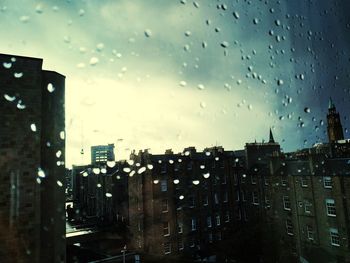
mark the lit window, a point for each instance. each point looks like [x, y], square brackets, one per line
[310, 232]
[335, 239]
[163, 185]
[286, 202]
[307, 207]
[167, 248]
[255, 198]
[193, 224]
[304, 181]
[218, 220]
[209, 221]
[330, 205]
[166, 229]
[289, 227]
[327, 182]
[165, 205]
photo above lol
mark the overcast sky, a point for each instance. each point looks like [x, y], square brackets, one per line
[170, 74]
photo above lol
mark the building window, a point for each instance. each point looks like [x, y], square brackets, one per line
[266, 180]
[218, 236]
[192, 242]
[217, 220]
[310, 232]
[191, 201]
[205, 200]
[210, 237]
[284, 181]
[166, 229]
[267, 200]
[253, 179]
[164, 205]
[189, 165]
[308, 207]
[225, 197]
[237, 195]
[286, 202]
[163, 168]
[180, 244]
[304, 181]
[255, 198]
[327, 182]
[227, 216]
[209, 221]
[289, 227]
[335, 239]
[330, 205]
[167, 248]
[216, 198]
[163, 185]
[176, 167]
[239, 214]
[179, 227]
[193, 224]
[224, 179]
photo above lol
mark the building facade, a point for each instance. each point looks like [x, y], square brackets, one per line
[102, 153]
[32, 156]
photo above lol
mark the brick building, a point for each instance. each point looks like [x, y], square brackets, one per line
[32, 156]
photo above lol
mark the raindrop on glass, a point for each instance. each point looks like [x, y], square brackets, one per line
[50, 88]
[33, 127]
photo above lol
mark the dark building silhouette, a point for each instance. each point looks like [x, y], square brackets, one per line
[32, 156]
[334, 127]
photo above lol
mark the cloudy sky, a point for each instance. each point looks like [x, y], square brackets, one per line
[163, 74]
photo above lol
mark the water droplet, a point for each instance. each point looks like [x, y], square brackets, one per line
[126, 169]
[100, 46]
[62, 135]
[202, 104]
[96, 170]
[94, 61]
[59, 183]
[250, 107]
[41, 173]
[196, 4]
[148, 33]
[280, 82]
[202, 166]
[176, 181]
[187, 33]
[277, 22]
[207, 153]
[183, 2]
[103, 170]
[39, 9]
[195, 182]
[109, 195]
[81, 12]
[24, 19]
[99, 185]
[307, 110]
[9, 98]
[33, 127]
[204, 44]
[171, 161]
[58, 154]
[256, 21]
[206, 175]
[224, 44]
[183, 83]
[155, 181]
[141, 170]
[110, 164]
[200, 86]
[38, 180]
[217, 158]
[150, 166]
[236, 14]
[85, 174]
[18, 75]
[50, 87]
[7, 65]
[181, 197]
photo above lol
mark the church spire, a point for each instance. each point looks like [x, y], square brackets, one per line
[271, 139]
[334, 127]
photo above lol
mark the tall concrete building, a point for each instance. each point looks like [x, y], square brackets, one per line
[102, 153]
[32, 157]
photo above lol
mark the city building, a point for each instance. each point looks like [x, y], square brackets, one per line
[32, 157]
[102, 153]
